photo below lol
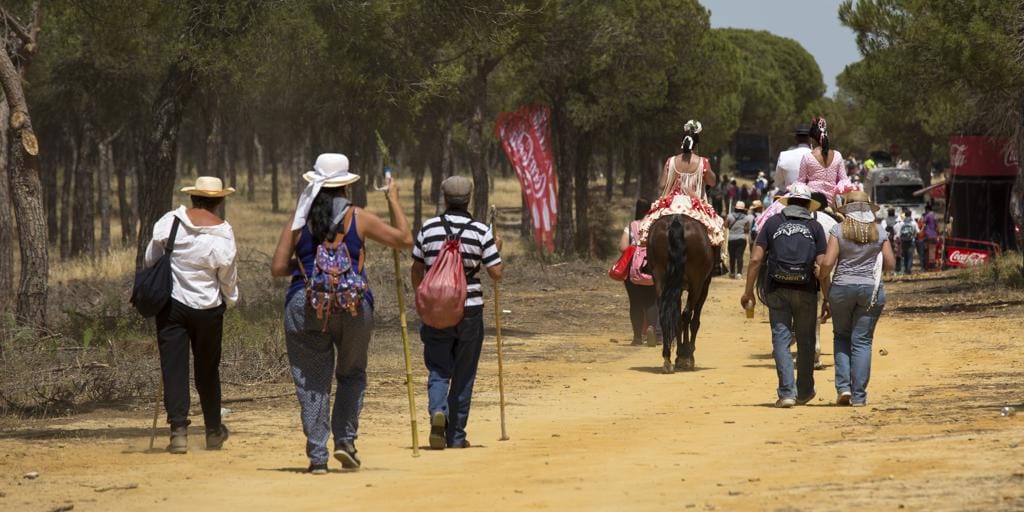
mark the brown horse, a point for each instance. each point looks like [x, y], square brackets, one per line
[680, 257]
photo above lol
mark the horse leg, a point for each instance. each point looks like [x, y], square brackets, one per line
[691, 347]
[684, 357]
[666, 334]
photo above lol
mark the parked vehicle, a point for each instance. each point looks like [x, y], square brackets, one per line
[894, 188]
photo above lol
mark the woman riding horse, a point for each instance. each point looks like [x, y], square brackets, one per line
[681, 230]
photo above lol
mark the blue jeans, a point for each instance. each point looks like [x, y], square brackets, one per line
[908, 256]
[317, 358]
[853, 323]
[793, 313]
[451, 356]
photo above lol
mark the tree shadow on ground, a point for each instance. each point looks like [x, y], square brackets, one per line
[94, 433]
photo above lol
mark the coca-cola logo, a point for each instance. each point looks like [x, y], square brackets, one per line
[967, 258]
[957, 155]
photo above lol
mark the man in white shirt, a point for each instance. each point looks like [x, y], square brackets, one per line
[787, 168]
[906, 235]
[204, 280]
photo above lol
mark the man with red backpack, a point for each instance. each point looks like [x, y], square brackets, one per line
[451, 347]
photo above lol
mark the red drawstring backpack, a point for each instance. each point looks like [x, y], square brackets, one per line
[441, 296]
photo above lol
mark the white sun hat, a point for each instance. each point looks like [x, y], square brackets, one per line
[208, 186]
[329, 171]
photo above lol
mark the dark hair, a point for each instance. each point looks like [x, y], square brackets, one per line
[642, 207]
[892, 212]
[321, 214]
[206, 203]
[928, 207]
[821, 198]
[819, 132]
[691, 137]
[798, 201]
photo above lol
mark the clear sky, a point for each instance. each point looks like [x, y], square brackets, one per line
[812, 23]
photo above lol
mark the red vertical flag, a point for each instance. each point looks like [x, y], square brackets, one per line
[525, 135]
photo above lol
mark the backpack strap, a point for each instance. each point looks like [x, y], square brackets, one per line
[169, 246]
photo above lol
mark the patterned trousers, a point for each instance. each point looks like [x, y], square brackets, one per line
[316, 359]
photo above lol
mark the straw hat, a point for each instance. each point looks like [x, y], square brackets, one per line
[756, 205]
[740, 206]
[334, 165]
[208, 186]
[857, 196]
[799, 191]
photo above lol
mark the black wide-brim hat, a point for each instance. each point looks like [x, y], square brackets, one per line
[802, 129]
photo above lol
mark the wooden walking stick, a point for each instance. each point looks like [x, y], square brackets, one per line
[156, 412]
[400, 289]
[497, 331]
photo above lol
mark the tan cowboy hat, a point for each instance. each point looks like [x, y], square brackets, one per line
[857, 196]
[334, 165]
[799, 191]
[756, 205]
[208, 186]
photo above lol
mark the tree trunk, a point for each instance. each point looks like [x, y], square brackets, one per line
[275, 204]
[50, 198]
[525, 222]
[156, 177]
[70, 164]
[438, 164]
[250, 191]
[478, 96]
[123, 209]
[609, 174]
[106, 164]
[564, 150]
[83, 222]
[26, 194]
[7, 226]
[628, 163]
[584, 150]
[647, 185]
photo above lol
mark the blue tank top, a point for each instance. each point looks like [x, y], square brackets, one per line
[305, 250]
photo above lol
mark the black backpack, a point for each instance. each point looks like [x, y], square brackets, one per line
[792, 253]
[153, 285]
[907, 233]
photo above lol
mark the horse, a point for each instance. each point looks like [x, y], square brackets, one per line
[680, 256]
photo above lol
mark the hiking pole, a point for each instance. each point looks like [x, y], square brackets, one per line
[497, 331]
[156, 412]
[400, 289]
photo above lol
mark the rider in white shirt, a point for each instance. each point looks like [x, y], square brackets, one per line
[787, 168]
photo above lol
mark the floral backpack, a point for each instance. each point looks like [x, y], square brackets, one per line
[335, 283]
[636, 272]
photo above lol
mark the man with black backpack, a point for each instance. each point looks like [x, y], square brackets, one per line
[451, 347]
[791, 245]
[906, 233]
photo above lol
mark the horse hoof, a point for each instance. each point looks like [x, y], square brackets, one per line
[667, 367]
[685, 365]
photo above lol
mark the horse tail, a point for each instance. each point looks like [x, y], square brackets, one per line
[675, 272]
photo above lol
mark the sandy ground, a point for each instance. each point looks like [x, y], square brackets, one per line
[595, 426]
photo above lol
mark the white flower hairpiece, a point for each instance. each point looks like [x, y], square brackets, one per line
[693, 126]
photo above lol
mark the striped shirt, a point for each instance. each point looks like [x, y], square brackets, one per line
[477, 247]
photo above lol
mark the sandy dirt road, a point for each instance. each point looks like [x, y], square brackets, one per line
[595, 426]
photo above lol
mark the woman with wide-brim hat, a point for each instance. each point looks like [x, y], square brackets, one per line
[859, 251]
[331, 343]
[204, 279]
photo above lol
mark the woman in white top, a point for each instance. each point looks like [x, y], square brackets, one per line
[205, 282]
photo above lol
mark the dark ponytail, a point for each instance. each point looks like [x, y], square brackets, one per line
[691, 136]
[321, 214]
[819, 132]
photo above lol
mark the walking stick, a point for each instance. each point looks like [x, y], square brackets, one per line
[400, 289]
[497, 330]
[156, 412]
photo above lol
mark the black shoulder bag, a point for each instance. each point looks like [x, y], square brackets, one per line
[153, 285]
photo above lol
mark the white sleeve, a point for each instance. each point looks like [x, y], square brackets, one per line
[155, 249]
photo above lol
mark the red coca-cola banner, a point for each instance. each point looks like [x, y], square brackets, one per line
[525, 135]
[965, 257]
[971, 155]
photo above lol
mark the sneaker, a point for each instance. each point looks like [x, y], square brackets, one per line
[317, 469]
[438, 431]
[462, 444]
[179, 440]
[345, 452]
[859, 404]
[785, 403]
[844, 398]
[215, 440]
[806, 399]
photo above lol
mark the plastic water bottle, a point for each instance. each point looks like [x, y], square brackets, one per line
[1008, 411]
